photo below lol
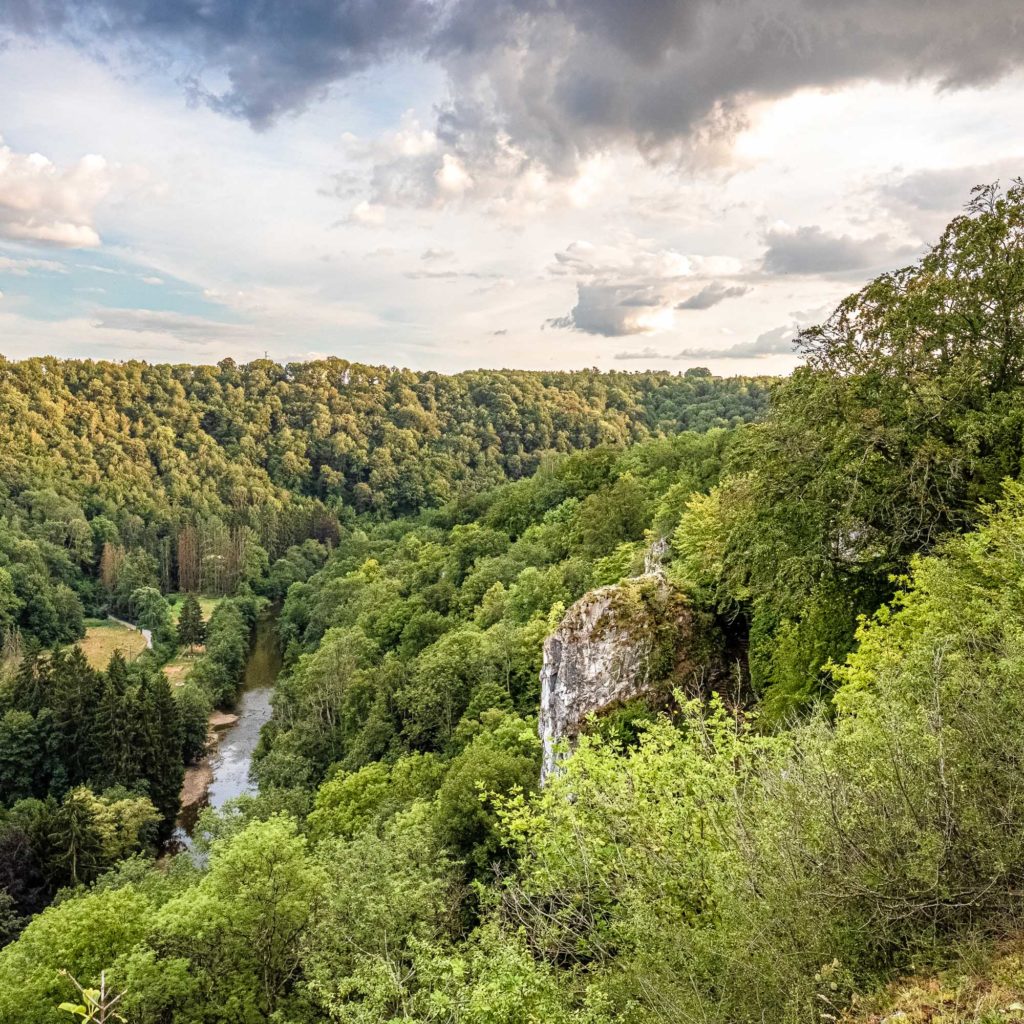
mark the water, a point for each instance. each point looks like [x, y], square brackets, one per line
[233, 757]
[231, 760]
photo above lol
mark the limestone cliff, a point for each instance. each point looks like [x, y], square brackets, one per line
[638, 638]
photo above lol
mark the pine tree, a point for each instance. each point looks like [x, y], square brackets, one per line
[158, 744]
[76, 846]
[76, 691]
[191, 629]
[32, 681]
[110, 761]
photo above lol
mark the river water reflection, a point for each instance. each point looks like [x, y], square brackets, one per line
[232, 759]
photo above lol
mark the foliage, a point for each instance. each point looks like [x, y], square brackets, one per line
[906, 415]
[97, 1003]
[191, 627]
[768, 855]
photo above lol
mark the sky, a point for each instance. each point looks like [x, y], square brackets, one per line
[451, 184]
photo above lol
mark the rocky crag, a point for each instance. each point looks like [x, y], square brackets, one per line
[636, 639]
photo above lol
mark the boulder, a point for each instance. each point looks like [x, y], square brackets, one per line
[639, 638]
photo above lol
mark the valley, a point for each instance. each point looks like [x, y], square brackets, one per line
[587, 698]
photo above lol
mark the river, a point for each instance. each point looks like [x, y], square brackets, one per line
[228, 763]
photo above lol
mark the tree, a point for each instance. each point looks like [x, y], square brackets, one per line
[10, 605]
[112, 760]
[191, 628]
[138, 570]
[75, 838]
[905, 416]
[97, 1004]
[194, 707]
[111, 560]
[150, 608]
[157, 743]
[251, 911]
[503, 758]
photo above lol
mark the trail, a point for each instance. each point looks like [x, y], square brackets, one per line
[147, 634]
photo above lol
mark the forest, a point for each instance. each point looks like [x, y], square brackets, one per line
[837, 806]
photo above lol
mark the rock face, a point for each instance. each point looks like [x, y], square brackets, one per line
[630, 640]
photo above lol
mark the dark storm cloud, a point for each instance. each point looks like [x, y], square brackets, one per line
[559, 78]
[277, 54]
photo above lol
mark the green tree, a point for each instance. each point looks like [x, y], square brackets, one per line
[157, 744]
[252, 911]
[191, 628]
[906, 414]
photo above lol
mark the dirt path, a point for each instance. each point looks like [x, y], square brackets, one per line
[147, 634]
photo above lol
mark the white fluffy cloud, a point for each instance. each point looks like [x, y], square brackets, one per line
[631, 289]
[40, 202]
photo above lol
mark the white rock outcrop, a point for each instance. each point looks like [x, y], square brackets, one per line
[614, 644]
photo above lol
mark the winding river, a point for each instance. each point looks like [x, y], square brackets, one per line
[227, 765]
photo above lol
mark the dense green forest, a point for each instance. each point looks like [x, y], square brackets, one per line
[119, 476]
[840, 804]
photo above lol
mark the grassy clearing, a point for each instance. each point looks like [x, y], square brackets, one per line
[178, 668]
[103, 637]
[206, 604]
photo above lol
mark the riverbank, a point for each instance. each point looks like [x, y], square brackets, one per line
[199, 777]
[223, 772]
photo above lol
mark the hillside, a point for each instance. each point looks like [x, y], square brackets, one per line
[195, 477]
[784, 770]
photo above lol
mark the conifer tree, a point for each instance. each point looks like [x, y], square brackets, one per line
[158, 744]
[191, 629]
[32, 680]
[76, 691]
[111, 758]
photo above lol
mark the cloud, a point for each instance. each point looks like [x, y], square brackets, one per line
[712, 294]
[614, 311]
[368, 214]
[184, 328]
[452, 176]
[644, 353]
[430, 275]
[450, 275]
[548, 82]
[926, 199]
[40, 202]
[436, 255]
[778, 341]
[630, 289]
[812, 250]
[23, 266]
